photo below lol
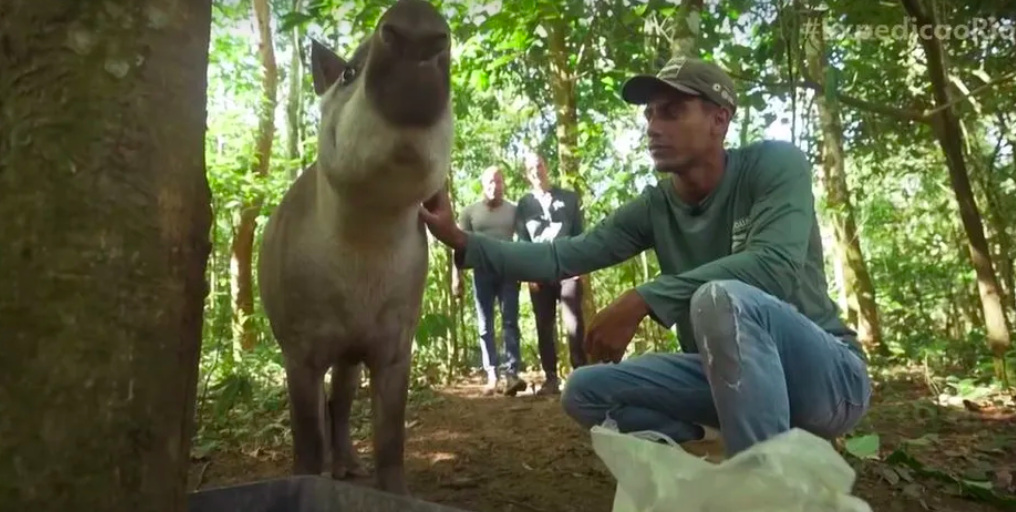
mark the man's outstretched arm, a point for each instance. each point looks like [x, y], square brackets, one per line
[623, 234]
[782, 220]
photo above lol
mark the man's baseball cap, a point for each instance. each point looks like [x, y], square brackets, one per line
[688, 75]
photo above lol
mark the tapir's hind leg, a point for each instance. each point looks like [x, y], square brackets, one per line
[305, 396]
[345, 380]
[389, 382]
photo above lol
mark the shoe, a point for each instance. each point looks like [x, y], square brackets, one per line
[491, 387]
[513, 385]
[551, 387]
[710, 434]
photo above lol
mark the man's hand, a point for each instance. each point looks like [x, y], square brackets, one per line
[437, 213]
[613, 328]
[457, 287]
[534, 287]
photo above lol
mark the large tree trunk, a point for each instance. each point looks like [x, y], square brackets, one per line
[562, 85]
[242, 287]
[857, 283]
[947, 129]
[106, 219]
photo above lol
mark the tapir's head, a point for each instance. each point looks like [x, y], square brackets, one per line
[403, 67]
[386, 112]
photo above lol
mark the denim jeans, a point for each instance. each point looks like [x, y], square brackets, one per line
[486, 289]
[762, 368]
[545, 300]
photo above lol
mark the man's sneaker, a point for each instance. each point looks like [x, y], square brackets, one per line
[551, 387]
[513, 385]
[491, 387]
[710, 433]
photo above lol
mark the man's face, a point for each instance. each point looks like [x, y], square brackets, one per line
[536, 170]
[682, 129]
[493, 184]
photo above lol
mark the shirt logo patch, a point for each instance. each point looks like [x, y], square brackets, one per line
[739, 234]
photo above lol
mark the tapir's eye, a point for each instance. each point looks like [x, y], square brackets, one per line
[348, 75]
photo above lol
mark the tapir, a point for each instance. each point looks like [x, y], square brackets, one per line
[344, 257]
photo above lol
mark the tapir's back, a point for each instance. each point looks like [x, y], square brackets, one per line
[285, 227]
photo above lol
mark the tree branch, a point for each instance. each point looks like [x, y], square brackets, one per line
[584, 45]
[977, 90]
[857, 103]
[916, 10]
[925, 116]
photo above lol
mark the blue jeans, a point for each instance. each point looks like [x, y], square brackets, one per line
[762, 368]
[486, 289]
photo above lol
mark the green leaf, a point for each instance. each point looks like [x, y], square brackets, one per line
[925, 440]
[863, 447]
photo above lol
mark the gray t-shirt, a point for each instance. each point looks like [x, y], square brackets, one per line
[496, 222]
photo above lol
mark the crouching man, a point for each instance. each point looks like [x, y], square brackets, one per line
[736, 234]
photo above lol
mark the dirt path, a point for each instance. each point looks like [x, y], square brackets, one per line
[496, 454]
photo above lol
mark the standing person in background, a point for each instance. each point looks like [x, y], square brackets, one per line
[495, 217]
[546, 213]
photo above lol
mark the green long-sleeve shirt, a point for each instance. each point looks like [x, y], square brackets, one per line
[758, 226]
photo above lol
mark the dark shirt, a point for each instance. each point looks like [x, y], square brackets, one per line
[548, 216]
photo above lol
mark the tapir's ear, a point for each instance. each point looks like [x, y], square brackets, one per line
[326, 67]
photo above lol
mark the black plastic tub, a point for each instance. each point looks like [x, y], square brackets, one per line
[305, 494]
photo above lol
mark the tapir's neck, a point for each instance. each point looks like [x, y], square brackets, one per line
[361, 219]
[372, 174]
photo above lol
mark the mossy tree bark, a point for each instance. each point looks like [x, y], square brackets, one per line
[106, 217]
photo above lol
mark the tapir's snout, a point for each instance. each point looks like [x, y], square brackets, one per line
[408, 73]
[414, 29]
[424, 42]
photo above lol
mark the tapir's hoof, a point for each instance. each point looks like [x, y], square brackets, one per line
[392, 481]
[399, 489]
[351, 471]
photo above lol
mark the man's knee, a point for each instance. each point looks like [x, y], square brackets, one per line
[726, 297]
[714, 307]
[582, 398]
[710, 296]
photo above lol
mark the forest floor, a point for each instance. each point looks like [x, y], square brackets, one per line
[522, 454]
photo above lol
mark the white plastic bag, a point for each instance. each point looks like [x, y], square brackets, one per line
[793, 472]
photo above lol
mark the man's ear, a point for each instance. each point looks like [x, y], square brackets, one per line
[721, 118]
[326, 67]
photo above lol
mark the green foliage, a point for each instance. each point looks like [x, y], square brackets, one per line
[910, 232]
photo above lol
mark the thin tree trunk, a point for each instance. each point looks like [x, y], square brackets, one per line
[562, 84]
[995, 215]
[453, 303]
[1004, 210]
[947, 129]
[244, 332]
[857, 283]
[294, 105]
[106, 217]
[686, 27]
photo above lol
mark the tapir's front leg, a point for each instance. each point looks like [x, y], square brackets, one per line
[345, 381]
[389, 381]
[303, 382]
